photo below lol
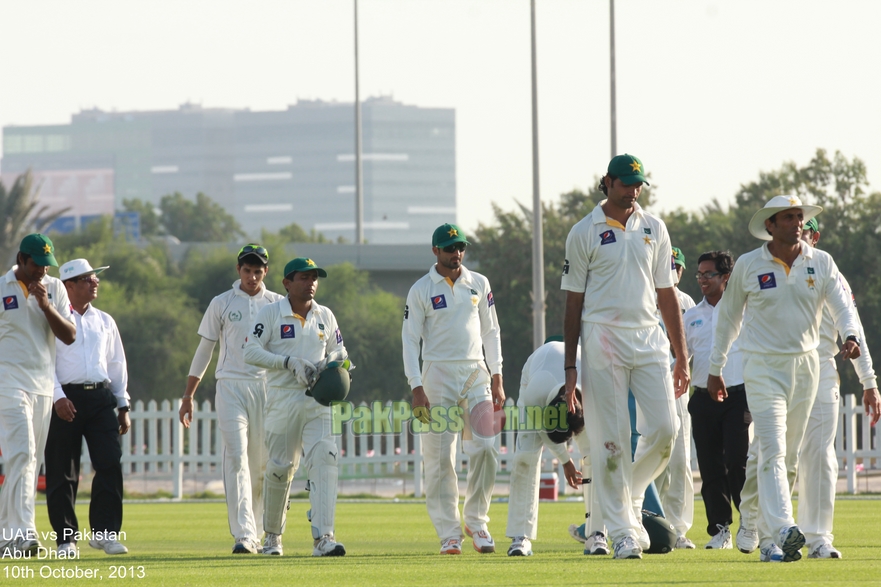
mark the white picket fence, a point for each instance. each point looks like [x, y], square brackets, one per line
[158, 446]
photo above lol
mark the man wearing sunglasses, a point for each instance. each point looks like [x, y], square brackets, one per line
[241, 394]
[92, 402]
[721, 430]
[451, 311]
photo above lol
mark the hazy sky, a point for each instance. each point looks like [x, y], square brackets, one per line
[709, 92]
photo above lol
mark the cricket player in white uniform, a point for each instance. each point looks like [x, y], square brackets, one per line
[290, 338]
[35, 311]
[783, 286]
[818, 464]
[541, 385]
[241, 394]
[451, 311]
[617, 260]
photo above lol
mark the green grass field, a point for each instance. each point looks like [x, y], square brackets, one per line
[389, 544]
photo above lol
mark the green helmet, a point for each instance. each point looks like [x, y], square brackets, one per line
[661, 533]
[332, 384]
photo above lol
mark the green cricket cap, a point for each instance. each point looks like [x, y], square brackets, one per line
[628, 169]
[812, 224]
[302, 264]
[679, 257]
[446, 235]
[40, 248]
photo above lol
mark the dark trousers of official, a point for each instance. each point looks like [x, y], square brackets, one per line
[95, 420]
[721, 437]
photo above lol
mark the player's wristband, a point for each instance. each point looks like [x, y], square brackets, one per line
[187, 397]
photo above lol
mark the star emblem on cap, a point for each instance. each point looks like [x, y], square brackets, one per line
[794, 201]
[636, 166]
[675, 253]
[47, 249]
[453, 232]
[310, 262]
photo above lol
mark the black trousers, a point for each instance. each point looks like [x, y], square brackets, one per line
[96, 421]
[721, 437]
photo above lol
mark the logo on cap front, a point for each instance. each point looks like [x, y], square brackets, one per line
[47, 249]
[453, 232]
[636, 167]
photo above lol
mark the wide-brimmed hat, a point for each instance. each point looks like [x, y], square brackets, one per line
[778, 204]
[78, 267]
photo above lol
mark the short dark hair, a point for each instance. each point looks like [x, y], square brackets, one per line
[574, 422]
[721, 259]
[602, 185]
[22, 258]
[252, 260]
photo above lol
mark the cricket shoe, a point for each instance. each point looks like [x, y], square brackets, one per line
[451, 546]
[747, 539]
[482, 541]
[596, 544]
[642, 536]
[771, 554]
[109, 546]
[627, 548]
[577, 533]
[825, 550]
[272, 544]
[520, 546]
[720, 540]
[27, 546]
[245, 546]
[327, 546]
[67, 550]
[791, 542]
[682, 542]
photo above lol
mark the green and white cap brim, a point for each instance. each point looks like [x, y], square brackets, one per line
[775, 205]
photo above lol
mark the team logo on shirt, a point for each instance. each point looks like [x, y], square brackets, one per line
[607, 237]
[647, 230]
[565, 266]
[767, 281]
[698, 322]
[235, 316]
[406, 311]
[339, 336]
[489, 299]
[438, 302]
[10, 303]
[287, 331]
[810, 270]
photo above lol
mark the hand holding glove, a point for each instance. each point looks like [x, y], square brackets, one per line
[302, 369]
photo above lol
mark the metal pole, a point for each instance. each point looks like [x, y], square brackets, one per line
[538, 271]
[614, 112]
[359, 179]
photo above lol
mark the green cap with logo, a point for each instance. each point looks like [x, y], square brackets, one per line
[679, 257]
[302, 264]
[40, 248]
[628, 169]
[812, 224]
[446, 235]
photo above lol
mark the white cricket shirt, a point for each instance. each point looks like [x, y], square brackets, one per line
[618, 268]
[95, 356]
[228, 320]
[456, 321]
[278, 333]
[27, 343]
[783, 305]
[829, 337]
[700, 328]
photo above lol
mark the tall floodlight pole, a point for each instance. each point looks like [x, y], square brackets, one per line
[538, 271]
[614, 111]
[359, 180]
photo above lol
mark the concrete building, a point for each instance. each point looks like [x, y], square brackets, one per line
[268, 169]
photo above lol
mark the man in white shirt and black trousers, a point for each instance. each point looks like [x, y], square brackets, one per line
[91, 402]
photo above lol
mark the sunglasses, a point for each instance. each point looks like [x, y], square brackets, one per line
[92, 278]
[254, 250]
[454, 247]
[706, 275]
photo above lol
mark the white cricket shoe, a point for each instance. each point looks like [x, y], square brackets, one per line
[596, 544]
[520, 546]
[747, 539]
[245, 546]
[451, 546]
[482, 541]
[791, 542]
[272, 544]
[722, 539]
[642, 536]
[327, 546]
[771, 554]
[684, 543]
[109, 546]
[577, 532]
[27, 546]
[627, 548]
[825, 550]
[67, 550]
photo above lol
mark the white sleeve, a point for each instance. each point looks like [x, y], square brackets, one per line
[862, 365]
[202, 358]
[411, 336]
[489, 331]
[662, 265]
[577, 262]
[262, 330]
[335, 339]
[117, 368]
[729, 318]
[57, 393]
[211, 326]
[839, 303]
[561, 451]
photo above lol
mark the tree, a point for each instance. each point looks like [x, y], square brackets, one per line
[20, 214]
[149, 219]
[294, 233]
[201, 221]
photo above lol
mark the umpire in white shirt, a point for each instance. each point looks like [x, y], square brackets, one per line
[91, 402]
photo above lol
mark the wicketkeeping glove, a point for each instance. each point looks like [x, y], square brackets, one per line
[302, 369]
[339, 357]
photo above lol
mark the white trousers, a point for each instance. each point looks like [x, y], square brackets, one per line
[298, 425]
[780, 391]
[24, 425]
[613, 361]
[240, 404]
[594, 521]
[464, 384]
[675, 483]
[818, 465]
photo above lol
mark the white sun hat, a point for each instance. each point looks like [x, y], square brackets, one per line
[778, 204]
[78, 267]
